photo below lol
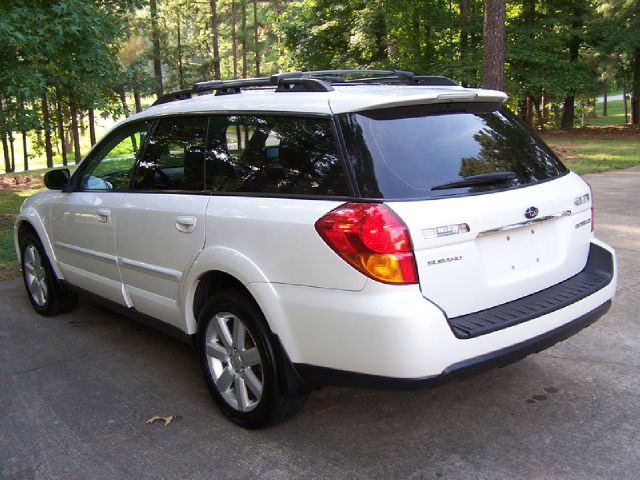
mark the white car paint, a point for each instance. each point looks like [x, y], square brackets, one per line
[140, 250]
[494, 269]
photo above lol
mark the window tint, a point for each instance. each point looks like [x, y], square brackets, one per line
[280, 155]
[403, 153]
[174, 156]
[109, 166]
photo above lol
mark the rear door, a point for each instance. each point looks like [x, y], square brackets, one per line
[83, 221]
[161, 221]
[493, 215]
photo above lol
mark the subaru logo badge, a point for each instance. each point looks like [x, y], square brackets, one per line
[531, 212]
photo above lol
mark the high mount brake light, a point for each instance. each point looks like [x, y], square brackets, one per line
[371, 238]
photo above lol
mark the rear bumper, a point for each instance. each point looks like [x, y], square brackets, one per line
[391, 335]
[597, 274]
[314, 376]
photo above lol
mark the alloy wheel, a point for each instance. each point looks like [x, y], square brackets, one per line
[234, 361]
[35, 275]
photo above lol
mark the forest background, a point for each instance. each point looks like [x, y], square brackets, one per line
[70, 68]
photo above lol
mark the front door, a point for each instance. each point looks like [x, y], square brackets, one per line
[83, 220]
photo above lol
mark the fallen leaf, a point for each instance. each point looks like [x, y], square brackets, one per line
[167, 420]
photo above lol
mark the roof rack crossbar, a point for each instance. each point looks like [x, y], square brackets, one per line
[226, 84]
[311, 81]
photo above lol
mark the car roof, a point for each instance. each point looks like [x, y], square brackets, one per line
[342, 99]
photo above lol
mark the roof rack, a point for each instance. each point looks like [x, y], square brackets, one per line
[311, 81]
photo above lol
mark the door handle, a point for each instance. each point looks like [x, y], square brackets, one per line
[186, 224]
[103, 214]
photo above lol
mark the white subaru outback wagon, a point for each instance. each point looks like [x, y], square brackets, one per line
[361, 228]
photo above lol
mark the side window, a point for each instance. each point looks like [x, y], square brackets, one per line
[174, 157]
[281, 155]
[110, 164]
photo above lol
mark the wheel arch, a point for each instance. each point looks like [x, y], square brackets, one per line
[32, 223]
[216, 268]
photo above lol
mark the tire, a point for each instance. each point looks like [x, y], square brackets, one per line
[239, 362]
[45, 293]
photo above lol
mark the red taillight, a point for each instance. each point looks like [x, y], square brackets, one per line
[373, 239]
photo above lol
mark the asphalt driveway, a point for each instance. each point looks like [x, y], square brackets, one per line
[76, 392]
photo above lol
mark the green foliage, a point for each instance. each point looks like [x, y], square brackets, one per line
[86, 53]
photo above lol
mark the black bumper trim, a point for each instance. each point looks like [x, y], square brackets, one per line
[596, 274]
[319, 376]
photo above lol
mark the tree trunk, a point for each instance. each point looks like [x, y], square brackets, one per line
[256, 36]
[244, 38]
[605, 85]
[46, 120]
[592, 108]
[624, 99]
[464, 20]
[278, 9]
[25, 156]
[494, 46]
[539, 112]
[5, 151]
[216, 39]
[180, 67]
[61, 134]
[635, 88]
[92, 127]
[5, 143]
[522, 109]
[545, 108]
[75, 132]
[464, 36]
[13, 152]
[136, 98]
[568, 113]
[155, 38]
[234, 39]
[123, 99]
[529, 117]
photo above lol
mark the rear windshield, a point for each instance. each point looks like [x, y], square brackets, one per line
[403, 153]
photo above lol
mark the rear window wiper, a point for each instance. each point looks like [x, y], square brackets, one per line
[482, 179]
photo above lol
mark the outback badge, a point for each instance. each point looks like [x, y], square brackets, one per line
[531, 212]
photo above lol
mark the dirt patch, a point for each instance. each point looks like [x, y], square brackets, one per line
[9, 273]
[620, 132]
[564, 151]
[20, 182]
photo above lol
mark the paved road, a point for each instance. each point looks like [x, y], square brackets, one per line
[610, 98]
[75, 392]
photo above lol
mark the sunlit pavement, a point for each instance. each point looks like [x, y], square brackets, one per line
[76, 392]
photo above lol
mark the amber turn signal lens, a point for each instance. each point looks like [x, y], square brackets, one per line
[373, 239]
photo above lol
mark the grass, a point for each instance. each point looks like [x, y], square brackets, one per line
[592, 153]
[615, 114]
[10, 201]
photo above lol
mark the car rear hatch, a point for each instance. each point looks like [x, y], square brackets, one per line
[477, 252]
[493, 214]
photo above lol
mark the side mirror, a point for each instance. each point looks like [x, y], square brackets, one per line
[57, 179]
